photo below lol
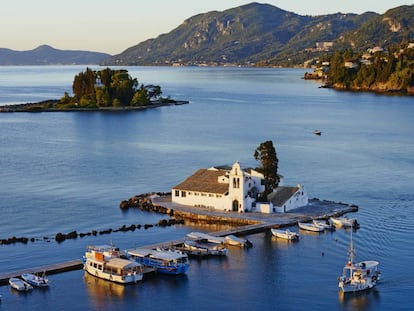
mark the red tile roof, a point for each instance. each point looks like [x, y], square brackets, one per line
[204, 180]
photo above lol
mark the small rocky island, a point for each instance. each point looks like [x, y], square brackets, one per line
[102, 90]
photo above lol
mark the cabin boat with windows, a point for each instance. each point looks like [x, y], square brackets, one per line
[164, 261]
[104, 262]
[237, 190]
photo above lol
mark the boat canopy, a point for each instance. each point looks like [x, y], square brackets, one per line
[151, 253]
[120, 263]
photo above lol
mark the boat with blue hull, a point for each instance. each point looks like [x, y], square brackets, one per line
[164, 261]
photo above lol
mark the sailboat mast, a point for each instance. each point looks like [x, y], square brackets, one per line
[351, 249]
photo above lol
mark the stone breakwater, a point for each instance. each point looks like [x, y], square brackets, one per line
[60, 237]
[144, 202]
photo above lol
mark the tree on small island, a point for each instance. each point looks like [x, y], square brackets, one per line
[266, 154]
[108, 88]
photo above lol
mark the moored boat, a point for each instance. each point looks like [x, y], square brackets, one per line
[227, 240]
[36, 279]
[20, 285]
[358, 276]
[164, 261]
[344, 222]
[236, 241]
[104, 262]
[310, 227]
[197, 236]
[203, 248]
[324, 223]
[285, 234]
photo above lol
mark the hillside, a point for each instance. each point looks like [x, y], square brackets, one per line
[262, 34]
[47, 55]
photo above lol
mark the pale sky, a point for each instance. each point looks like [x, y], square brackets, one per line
[113, 26]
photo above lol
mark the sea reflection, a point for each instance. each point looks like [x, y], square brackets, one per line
[365, 300]
[100, 291]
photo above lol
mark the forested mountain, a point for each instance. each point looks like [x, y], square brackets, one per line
[47, 55]
[393, 27]
[263, 34]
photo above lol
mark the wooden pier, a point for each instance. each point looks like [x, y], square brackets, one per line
[48, 269]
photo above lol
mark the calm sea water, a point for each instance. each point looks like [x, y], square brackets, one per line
[69, 171]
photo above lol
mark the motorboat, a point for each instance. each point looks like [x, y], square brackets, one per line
[227, 240]
[20, 285]
[36, 279]
[203, 248]
[236, 241]
[324, 223]
[164, 261]
[358, 276]
[310, 227]
[285, 234]
[104, 262]
[344, 222]
[197, 236]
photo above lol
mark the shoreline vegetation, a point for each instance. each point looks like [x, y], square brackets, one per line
[49, 106]
[376, 70]
[104, 90]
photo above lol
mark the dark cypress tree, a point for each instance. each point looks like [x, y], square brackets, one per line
[266, 154]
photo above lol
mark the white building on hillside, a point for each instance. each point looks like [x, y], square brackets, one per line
[235, 189]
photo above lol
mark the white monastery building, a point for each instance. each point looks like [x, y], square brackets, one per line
[235, 189]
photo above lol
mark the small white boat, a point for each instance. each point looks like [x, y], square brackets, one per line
[203, 248]
[236, 241]
[228, 240]
[285, 234]
[165, 261]
[198, 236]
[20, 285]
[104, 262]
[344, 222]
[36, 279]
[310, 227]
[358, 276]
[324, 223]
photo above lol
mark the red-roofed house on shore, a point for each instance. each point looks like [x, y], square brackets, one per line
[235, 189]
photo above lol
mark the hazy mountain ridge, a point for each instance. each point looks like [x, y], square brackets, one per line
[47, 55]
[262, 33]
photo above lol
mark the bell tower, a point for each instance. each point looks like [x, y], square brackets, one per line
[236, 188]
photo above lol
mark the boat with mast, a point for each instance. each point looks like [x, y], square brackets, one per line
[358, 276]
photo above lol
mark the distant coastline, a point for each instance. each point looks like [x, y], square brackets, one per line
[47, 106]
